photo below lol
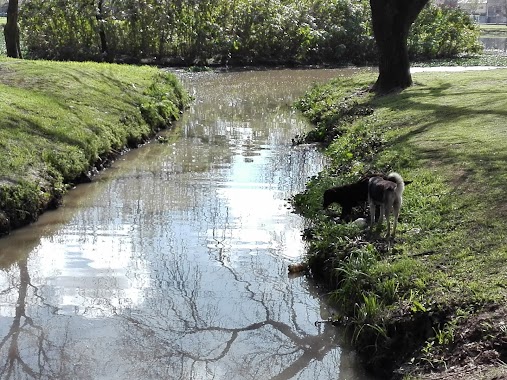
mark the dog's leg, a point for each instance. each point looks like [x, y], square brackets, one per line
[346, 212]
[388, 218]
[396, 213]
[389, 205]
[372, 213]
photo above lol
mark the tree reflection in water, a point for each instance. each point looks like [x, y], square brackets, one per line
[194, 343]
[17, 356]
[180, 340]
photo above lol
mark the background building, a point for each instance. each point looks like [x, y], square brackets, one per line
[486, 11]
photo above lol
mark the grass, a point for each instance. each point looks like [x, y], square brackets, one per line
[491, 30]
[456, 133]
[60, 119]
[497, 30]
[448, 134]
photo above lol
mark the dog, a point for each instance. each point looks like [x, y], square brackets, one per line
[347, 196]
[386, 192]
[351, 195]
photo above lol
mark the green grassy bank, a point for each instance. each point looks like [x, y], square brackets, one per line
[434, 299]
[60, 121]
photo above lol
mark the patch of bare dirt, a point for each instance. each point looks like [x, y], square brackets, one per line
[479, 350]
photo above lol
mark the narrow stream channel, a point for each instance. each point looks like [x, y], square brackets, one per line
[172, 264]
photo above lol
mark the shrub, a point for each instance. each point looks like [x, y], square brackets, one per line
[218, 32]
[59, 29]
[443, 32]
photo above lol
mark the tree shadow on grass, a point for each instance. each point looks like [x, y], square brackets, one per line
[476, 166]
[413, 100]
[29, 127]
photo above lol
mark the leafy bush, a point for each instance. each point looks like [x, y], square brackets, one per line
[219, 32]
[443, 33]
[59, 29]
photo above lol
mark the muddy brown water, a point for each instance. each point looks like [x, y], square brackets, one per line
[172, 264]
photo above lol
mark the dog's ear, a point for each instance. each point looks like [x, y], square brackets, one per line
[407, 182]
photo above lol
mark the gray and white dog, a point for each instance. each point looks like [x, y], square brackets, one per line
[386, 192]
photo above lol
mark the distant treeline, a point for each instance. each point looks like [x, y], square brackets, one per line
[205, 32]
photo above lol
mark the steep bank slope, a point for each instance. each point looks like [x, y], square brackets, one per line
[60, 121]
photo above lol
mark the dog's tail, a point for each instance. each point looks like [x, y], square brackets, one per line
[400, 184]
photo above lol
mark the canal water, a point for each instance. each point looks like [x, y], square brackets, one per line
[172, 264]
[494, 44]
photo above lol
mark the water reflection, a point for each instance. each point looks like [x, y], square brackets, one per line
[498, 44]
[173, 263]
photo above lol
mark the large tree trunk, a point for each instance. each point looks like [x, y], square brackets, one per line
[11, 30]
[102, 32]
[391, 21]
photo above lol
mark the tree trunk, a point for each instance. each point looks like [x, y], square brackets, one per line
[391, 21]
[11, 31]
[102, 33]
